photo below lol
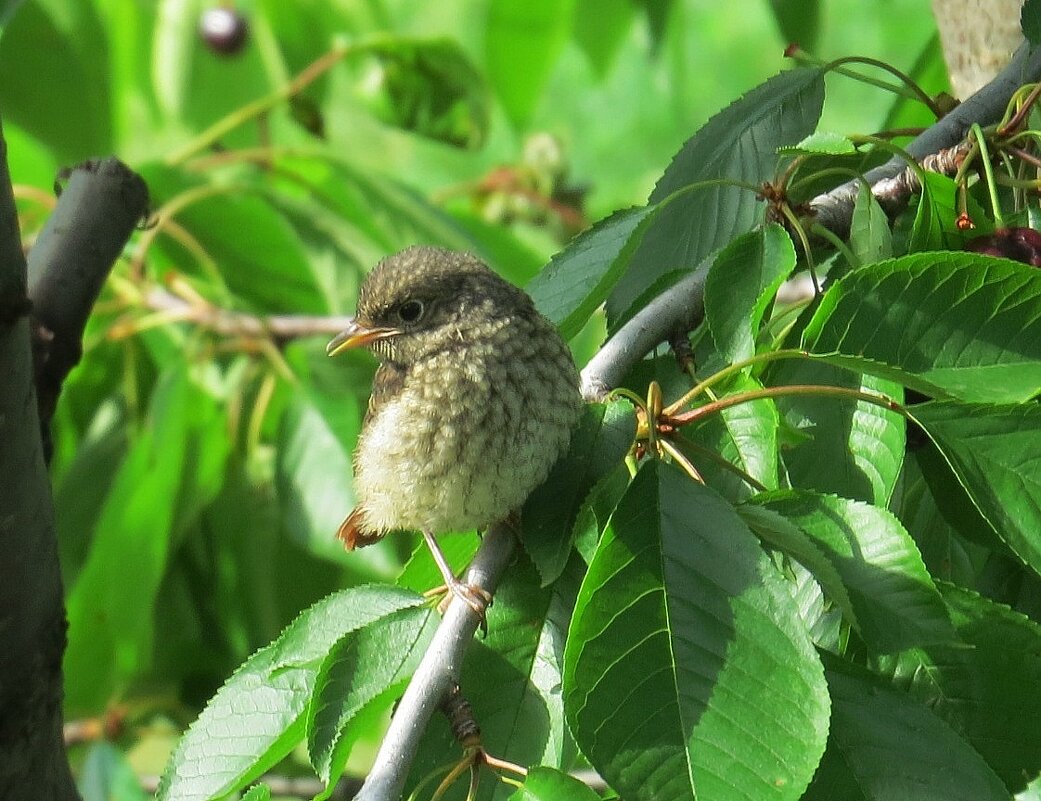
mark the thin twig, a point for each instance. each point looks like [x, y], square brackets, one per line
[280, 327]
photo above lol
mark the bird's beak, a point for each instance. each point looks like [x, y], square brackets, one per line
[357, 335]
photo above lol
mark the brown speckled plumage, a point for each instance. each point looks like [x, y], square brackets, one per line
[472, 404]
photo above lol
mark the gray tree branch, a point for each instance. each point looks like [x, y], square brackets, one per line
[834, 209]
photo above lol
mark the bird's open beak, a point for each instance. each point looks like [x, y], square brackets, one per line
[357, 335]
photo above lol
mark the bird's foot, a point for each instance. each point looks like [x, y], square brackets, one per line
[473, 596]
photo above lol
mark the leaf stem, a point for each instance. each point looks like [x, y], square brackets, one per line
[736, 367]
[916, 92]
[777, 392]
[1022, 112]
[800, 230]
[988, 169]
[836, 241]
[682, 460]
[714, 457]
[261, 105]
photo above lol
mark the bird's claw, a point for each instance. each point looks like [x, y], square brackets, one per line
[477, 598]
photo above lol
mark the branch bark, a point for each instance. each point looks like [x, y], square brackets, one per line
[95, 215]
[74, 253]
[32, 612]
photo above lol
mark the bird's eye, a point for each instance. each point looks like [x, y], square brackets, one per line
[410, 311]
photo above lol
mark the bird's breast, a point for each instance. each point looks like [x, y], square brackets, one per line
[465, 437]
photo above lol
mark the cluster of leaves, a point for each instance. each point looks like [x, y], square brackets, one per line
[722, 639]
[819, 604]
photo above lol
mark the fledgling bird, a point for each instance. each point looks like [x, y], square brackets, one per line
[474, 400]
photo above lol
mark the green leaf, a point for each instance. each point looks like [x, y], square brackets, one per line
[821, 143]
[657, 13]
[740, 143]
[688, 671]
[427, 86]
[522, 41]
[362, 666]
[1005, 658]
[944, 552]
[57, 51]
[85, 484]
[174, 43]
[897, 605]
[934, 225]
[258, 792]
[600, 29]
[313, 471]
[949, 324]
[579, 278]
[985, 690]
[799, 21]
[421, 572]
[256, 254]
[852, 448]
[154, 492]
[745, 435]
[870, 237]
[8, 8]
[1030, 21]
[105, 775]
[258, 716]
[993, 452]
[776, 530]
[548, 784]
[741, 285]
[602, 439]
[888, 746]
[955, 504]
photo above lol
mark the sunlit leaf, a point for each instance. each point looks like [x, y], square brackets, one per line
[522, 41]
[951, 324]
[110, 630]
[896, 603]
[257, 717]
[848, 447]
[821, 143]
[579, 278]
[361, 667]
[547, 784]
[994, 452]
[887, 746]
[688, 672]
[740, 144]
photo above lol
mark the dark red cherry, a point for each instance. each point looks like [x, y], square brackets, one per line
[224, 30]
[1020, 244]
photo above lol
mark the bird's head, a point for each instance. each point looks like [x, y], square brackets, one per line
[424, 300]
